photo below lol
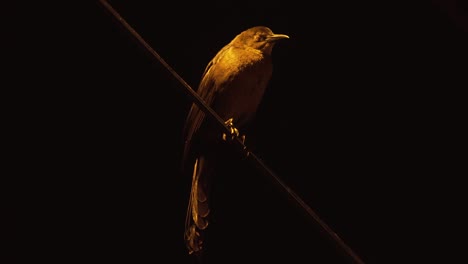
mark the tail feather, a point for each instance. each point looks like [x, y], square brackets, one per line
[198, 208]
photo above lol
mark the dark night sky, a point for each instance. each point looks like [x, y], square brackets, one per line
[356, 120]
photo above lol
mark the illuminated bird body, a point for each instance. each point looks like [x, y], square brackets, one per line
[233, 85]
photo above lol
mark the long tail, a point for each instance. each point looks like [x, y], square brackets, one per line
[198, 208]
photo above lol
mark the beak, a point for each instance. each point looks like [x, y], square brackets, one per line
[276, 37]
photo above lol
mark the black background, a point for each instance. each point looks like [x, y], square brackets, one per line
[360, 120]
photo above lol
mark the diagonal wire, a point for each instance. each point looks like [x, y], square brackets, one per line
[251, 157]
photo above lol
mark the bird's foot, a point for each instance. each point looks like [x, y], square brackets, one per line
[234, 132]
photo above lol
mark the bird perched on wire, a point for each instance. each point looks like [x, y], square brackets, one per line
[233, 85]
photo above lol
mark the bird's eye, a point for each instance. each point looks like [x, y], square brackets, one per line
[259, 37]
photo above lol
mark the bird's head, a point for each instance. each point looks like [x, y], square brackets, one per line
[260, 38]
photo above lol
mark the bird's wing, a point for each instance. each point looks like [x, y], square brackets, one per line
[207, 91]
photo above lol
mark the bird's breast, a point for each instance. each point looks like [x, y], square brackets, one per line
[241, 89]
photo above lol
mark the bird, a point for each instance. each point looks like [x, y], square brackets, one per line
[232, 84]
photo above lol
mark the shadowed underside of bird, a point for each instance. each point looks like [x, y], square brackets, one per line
[233, 85]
